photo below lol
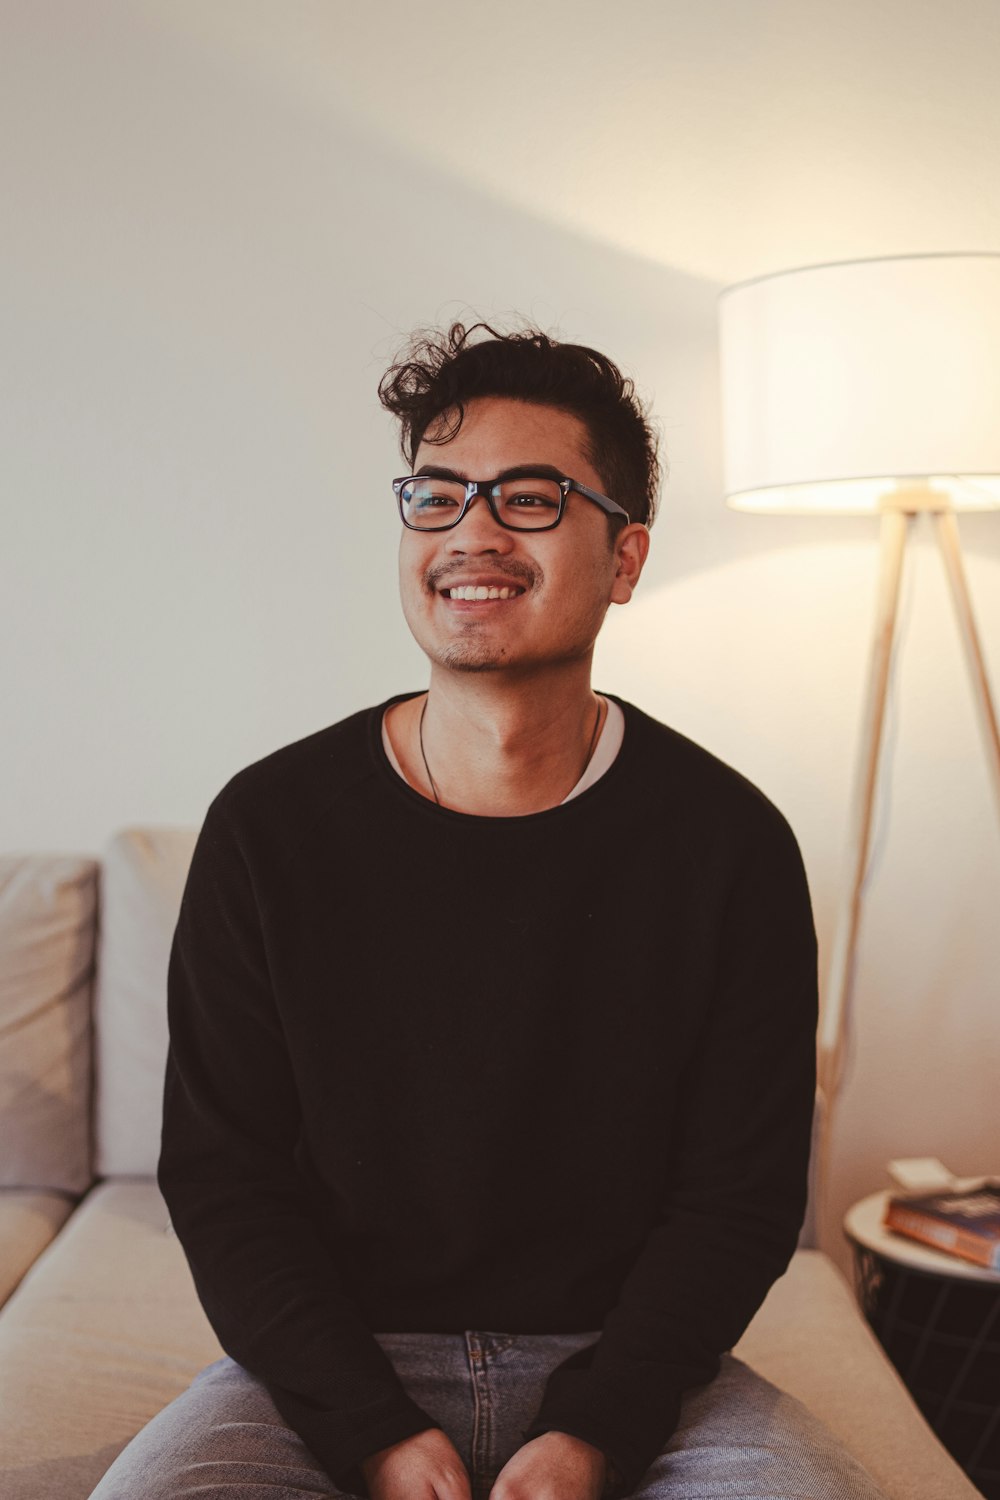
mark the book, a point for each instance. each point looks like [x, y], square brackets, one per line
[961, 1222]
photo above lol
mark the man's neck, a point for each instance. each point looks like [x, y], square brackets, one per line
[494, 749]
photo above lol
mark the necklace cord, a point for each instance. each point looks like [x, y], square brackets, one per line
[427, 768]
[430, 778]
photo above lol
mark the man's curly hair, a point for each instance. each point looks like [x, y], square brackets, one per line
[438, 372]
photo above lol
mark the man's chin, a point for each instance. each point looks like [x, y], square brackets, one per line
[468, 658]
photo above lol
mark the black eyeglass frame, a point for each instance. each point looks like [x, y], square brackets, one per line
[489, 488]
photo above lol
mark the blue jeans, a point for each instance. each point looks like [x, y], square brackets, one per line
[739, 1437]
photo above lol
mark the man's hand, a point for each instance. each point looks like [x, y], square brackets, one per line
[426, 1466]
[553, 1466]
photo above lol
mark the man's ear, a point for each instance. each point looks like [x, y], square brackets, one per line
[631, 551]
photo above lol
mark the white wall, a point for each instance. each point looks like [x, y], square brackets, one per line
[206, 269]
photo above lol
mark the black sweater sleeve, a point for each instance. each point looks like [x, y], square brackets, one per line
[737, 1185]
[226, 1169]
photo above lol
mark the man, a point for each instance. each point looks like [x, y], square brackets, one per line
[492, 1025]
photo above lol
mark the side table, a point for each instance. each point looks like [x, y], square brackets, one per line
[938, 1319]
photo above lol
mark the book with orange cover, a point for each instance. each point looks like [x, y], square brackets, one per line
[966, 1223]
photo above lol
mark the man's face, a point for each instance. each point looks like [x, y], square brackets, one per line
[568, 575]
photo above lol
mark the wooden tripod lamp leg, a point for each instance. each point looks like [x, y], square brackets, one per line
[946, 529]
[836, 1006]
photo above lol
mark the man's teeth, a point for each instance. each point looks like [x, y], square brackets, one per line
[480, 591]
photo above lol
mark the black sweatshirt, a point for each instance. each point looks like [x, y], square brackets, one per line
[433, 1071]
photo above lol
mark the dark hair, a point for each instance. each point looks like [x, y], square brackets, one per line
[438, 372]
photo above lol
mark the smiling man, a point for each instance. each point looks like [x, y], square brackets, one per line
[492, 1028]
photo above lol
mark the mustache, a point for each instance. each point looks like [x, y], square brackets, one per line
[440, 580]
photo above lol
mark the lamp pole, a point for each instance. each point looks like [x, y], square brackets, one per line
[899, 509]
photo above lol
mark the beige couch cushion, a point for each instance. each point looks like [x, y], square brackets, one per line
[810, 1338]
[144, 870]
[106, 1329]
[48, 906]
[29, 1220]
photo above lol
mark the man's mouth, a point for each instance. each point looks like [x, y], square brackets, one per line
[481, 593]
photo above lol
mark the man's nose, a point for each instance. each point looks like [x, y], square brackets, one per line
[478, 530]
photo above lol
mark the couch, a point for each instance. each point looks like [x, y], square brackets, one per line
[100, 1325]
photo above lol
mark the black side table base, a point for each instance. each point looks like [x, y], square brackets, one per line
[943, 1337]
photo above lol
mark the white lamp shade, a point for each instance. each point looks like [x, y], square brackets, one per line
[839, 381]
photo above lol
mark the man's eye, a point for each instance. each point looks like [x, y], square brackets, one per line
[528, 499]
[426, 500]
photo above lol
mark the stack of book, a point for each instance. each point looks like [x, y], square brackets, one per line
[961, 1222]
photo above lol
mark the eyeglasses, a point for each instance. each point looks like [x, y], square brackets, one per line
[529, 503]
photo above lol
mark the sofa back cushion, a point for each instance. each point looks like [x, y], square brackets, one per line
[48, 910]
[143, 875]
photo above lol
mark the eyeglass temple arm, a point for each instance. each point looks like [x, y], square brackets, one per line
[611, 506]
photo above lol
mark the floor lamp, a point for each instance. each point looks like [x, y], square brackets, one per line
[868, 387]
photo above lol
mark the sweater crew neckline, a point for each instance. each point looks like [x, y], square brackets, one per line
[565, 809]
